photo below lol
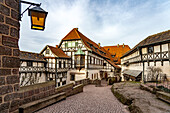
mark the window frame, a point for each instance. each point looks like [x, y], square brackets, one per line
[47, 51]
[150, 49]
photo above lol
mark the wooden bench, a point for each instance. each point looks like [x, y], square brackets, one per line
[38, 104]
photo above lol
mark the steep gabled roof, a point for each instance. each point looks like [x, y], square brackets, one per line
[74, 34]
[153, 39]
[56, 51]
[29, 56]
[118, 51]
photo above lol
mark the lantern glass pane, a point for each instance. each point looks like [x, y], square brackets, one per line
[37, 20]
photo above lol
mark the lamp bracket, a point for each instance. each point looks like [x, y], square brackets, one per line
[25, 2]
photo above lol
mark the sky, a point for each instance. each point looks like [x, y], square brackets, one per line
[109, 22]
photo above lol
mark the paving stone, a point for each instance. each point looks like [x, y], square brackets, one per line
[92, 100]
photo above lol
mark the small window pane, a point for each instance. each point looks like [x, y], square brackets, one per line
[69, 44]
[76, 44]
[150, 49]
[66, 44]
[47, 51]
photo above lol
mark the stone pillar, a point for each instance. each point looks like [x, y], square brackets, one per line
[9, 55]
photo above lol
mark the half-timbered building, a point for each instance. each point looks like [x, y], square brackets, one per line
[58, 64]
[32, 68]
[88, 59]
[154, 51]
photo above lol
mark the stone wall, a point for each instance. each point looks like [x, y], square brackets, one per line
[35, 92]
[42, 90]
[70, 89]
[83, 81]
[9, 52]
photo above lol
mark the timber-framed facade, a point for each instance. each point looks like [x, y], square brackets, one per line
[58, 63]
[32, 68]
[154, 51]
[98, 62]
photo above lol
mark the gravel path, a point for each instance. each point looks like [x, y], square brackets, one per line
[92, 100]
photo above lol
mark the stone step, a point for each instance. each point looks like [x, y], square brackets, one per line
[38, 104]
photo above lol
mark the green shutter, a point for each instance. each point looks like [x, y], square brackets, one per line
[66, 44]
[76, 44]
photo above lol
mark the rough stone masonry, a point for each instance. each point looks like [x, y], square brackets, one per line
[9, 52]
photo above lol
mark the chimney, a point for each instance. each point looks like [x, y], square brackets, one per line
[56, 46]
[99, 44]
[123, 45]
[117, 45]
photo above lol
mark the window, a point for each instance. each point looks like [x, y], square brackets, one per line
[58, 84]
[104, 64]
[64, 64]
[76, 44]
[66, 44]
[93, 60]
[150, 49]
[69, 44]
[113, 56]
[72, 77]
[90, 60]
[64, 82]
[29, 64]
[47, 51]
[59, 64]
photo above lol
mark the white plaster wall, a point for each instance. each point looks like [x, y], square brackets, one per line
[24, 63]
[164, 47]
[144, 50]
[157, 48]
[42, 78]
[34, 63]
[97, 72]
[80, 76]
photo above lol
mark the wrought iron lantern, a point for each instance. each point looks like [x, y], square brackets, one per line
[37, 14]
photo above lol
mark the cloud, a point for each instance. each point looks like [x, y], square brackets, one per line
[109, 21]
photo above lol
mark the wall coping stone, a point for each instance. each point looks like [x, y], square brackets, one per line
[36, 86]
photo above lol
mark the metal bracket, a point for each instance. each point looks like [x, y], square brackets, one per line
[25, 2]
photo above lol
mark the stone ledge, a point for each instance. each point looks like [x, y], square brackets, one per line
[163, 96]
[77, 89]
[147, 88]
[36, 105]
[36, 86]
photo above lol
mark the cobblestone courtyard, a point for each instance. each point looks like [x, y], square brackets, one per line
[92, 100]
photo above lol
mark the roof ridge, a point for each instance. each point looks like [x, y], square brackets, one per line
[86, 37]
[145, 39]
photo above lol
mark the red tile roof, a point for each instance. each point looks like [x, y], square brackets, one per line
[74, 34]
[58, 52]
[118, 51]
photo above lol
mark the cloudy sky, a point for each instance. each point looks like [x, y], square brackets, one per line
[109, 22]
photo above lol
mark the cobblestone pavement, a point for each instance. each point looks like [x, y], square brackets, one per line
[92, 100]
